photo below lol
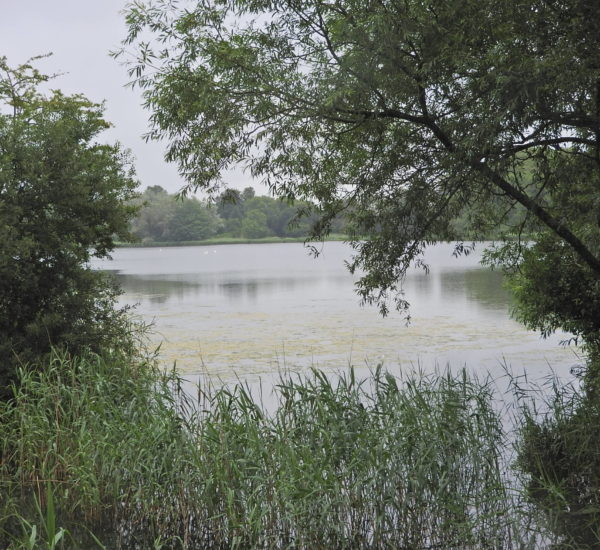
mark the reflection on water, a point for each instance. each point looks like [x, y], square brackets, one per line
[246, 309]
[204, 288]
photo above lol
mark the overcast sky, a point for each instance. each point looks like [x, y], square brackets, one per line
[80, 33]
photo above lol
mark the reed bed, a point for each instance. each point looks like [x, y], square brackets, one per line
[112, 454]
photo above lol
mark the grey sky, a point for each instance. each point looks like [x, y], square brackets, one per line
[80, 33]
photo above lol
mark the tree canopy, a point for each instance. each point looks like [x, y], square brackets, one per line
[402, 113]
[165, 218]
[63, 199]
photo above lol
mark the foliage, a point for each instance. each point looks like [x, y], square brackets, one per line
[383, 463]
[554, 286]
[163, 217]
[178, 218]
[247, 215]
[157, 209]
[403, 114]
[62, 200]
[555, 291]
[254, 225]
[192, 221]
[560, 453]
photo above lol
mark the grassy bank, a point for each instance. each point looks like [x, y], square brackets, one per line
[226, 240]
[270, 240]
[105, 450]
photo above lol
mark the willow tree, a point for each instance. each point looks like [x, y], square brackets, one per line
[404, 114]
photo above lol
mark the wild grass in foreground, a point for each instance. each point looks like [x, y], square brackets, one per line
[111, 454]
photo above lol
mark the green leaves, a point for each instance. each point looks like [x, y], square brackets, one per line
[63, 200]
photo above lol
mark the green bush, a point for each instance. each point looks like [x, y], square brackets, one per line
[560, 456]
[63, 200]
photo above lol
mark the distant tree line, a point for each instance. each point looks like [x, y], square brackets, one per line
[165, 217]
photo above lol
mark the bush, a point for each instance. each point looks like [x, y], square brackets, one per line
[560, 456]
[63, 199]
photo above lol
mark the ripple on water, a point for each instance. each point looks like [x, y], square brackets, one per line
[256, 308]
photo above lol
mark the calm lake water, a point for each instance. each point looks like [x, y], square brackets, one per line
[247, 310]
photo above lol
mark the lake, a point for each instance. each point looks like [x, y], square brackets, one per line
[249, 310]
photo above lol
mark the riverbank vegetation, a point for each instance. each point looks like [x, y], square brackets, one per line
[235, 217]
[224, 240]
[111, 453]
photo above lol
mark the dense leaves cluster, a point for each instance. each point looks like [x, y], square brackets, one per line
[63, 199]
[560, 454]
[162, 217]
[249, 216]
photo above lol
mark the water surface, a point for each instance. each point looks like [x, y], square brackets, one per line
[242, 310]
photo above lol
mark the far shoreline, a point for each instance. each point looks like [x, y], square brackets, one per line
[228, 240]
[336, 237]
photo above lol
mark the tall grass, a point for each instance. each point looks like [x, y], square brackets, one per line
[131, 462]
[346, 465]
[105, 435]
